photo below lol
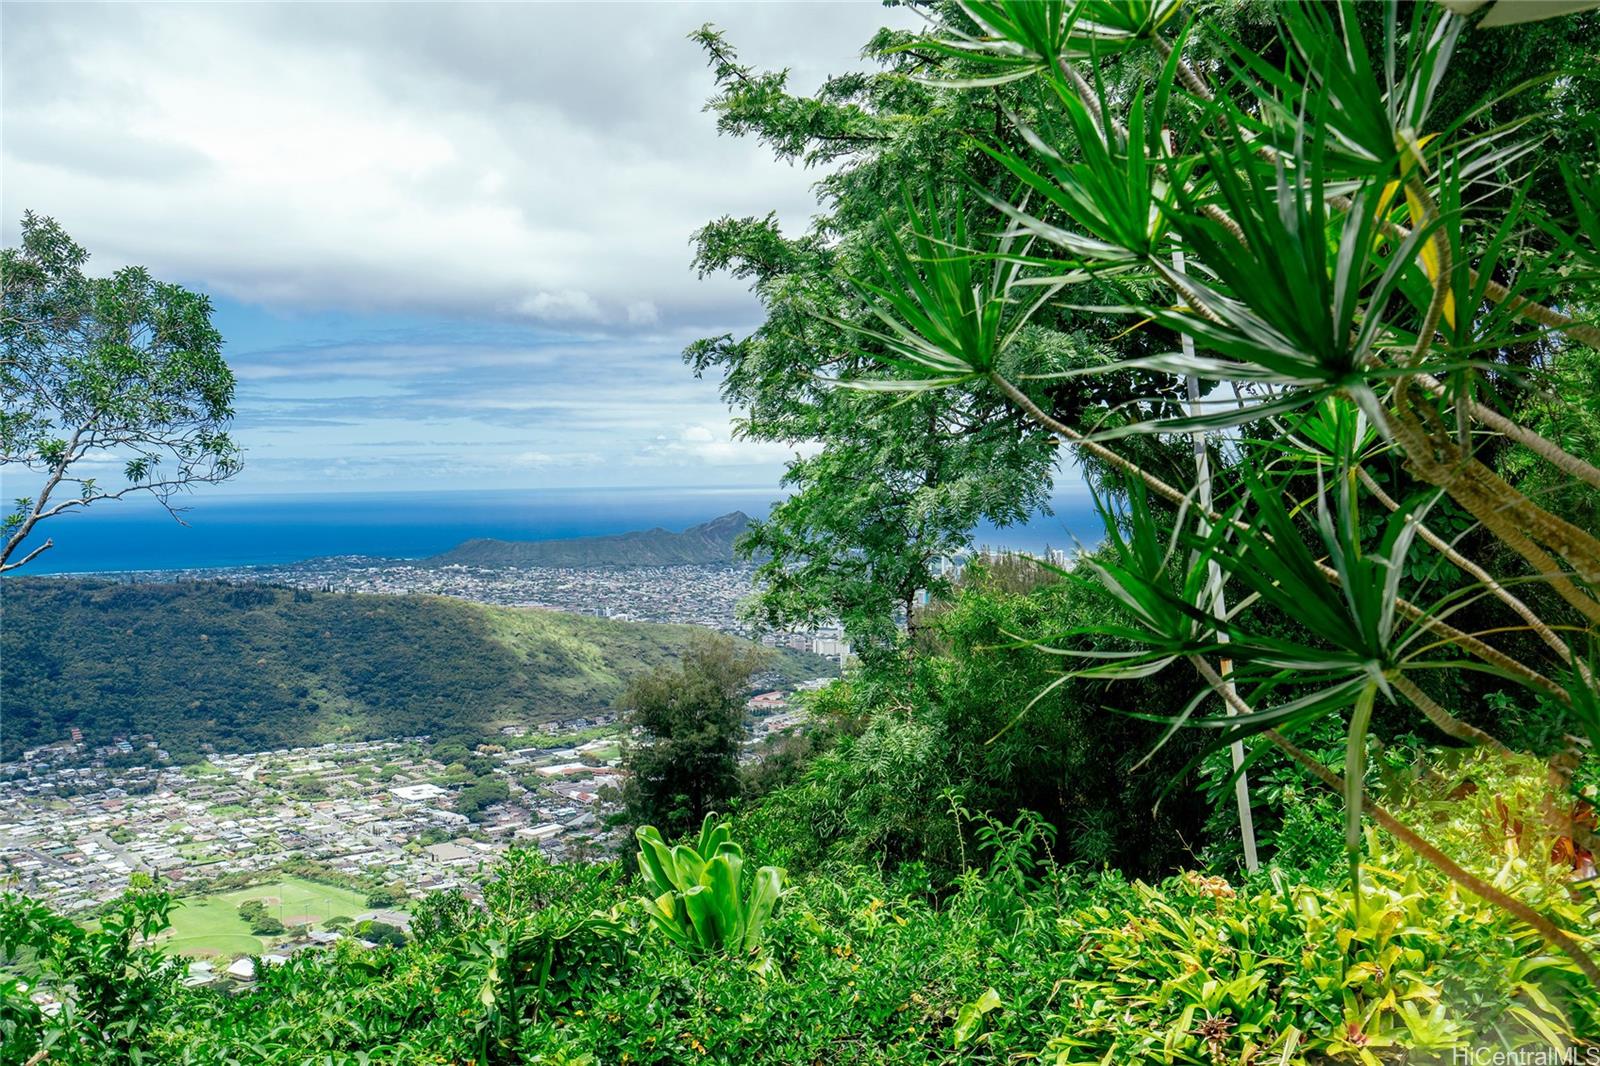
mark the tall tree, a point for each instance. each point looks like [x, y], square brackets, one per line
[692, 716]
[1353, 269]
[918, 123]
[899, 481]
[97, 373]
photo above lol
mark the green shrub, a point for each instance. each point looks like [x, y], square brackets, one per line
[1197, 971]
[698, 899]
[1023, 961]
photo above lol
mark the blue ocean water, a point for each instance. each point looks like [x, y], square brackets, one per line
[228, 531]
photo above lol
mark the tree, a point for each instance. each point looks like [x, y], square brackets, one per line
[1346, 271]
[382, 933]
[946, 460]
[692, 718]
[261, 922]
[900, 482]
[121, 983]
[483, 792]
[123, 369]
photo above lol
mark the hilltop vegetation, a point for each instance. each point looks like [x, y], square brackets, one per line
[1021, 961]
[1298, 767]
[249, 667]
[709, 542]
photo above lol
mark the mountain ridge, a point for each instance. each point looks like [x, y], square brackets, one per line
[244, 667]
[708, 543]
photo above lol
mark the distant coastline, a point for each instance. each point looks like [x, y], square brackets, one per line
[226, 532]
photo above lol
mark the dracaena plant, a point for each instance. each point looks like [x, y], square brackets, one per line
[696, 894]
[1337, 275]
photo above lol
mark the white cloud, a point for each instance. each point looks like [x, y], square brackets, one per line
[547, 459]
[563, 306]
[643, 313]
[701, 445]
[459, 232]
[547, 159]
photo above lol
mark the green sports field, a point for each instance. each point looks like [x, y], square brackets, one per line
[211, 926]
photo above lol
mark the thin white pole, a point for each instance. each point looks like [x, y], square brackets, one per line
[1214, 587]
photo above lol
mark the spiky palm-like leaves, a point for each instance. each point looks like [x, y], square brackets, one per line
[1336, 273]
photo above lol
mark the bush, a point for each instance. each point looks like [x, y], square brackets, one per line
[382, 933]
[1022, 960]
[261, 923]
[957, 722]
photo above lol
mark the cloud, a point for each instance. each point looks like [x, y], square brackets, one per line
[449, 243]
[547, 161]
[566, 305]
[700, 445]
[543, 459]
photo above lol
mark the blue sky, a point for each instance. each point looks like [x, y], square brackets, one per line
[448, 244]
[337, 401]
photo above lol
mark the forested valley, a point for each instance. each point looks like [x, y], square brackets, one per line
[207, 665]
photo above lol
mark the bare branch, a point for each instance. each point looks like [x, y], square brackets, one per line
[30, 557]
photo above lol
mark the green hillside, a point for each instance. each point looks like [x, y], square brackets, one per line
[247, 668]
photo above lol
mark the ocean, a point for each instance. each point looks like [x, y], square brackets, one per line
[235, 530]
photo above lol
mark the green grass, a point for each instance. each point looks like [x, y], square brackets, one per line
[204, 769]
[211, 926]
[219, 945]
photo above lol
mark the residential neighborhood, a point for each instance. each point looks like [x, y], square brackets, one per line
[364, 809]
[80, 822]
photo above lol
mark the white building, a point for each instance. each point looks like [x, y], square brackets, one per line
[418, 793]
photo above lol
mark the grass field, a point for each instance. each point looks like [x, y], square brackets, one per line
[211, 926]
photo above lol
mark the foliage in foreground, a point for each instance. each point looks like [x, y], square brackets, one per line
[562, 964]
[909, 746]
[1313, 248]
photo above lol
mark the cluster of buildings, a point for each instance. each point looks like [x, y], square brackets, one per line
[706, 595]
[772, 714]
[828, 641]
[375, 811]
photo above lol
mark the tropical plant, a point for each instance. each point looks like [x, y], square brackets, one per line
[1319, 255]
[697, 897]
[531, 964]
[1198, 971]
[110, 984]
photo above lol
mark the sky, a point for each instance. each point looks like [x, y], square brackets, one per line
[448, 244]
